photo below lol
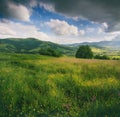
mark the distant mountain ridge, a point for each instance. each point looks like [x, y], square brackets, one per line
[113, 44]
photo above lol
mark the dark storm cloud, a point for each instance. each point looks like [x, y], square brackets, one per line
[94, 10]
[17, 9]
[3, 7]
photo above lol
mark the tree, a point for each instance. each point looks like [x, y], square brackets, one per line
[84, 51]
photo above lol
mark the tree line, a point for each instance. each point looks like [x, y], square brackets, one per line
[85, 51]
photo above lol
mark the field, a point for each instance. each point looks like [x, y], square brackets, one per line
[41, 86]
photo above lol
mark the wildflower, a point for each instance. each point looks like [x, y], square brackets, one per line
[119, 94]
[67, 106]
[93, 98]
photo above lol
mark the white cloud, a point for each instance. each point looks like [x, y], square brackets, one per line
[49, 7]
[100, 30]
[115, 33]
[67, 33]
[19, 12]
[18, 30]
[82, 32]
[33, 3]
[105, 25]
[5, 30]
[62, 27]
[97, 28]
[90, 30]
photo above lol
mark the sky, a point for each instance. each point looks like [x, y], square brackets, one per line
[60, 21]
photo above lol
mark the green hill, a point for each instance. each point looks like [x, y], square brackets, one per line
[31, 45]
[35, 46]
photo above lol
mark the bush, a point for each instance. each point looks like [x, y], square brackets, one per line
[84, 51]
[49, 52]
[104, 57]
[115, 58]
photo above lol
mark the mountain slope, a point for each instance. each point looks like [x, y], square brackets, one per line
[31, 45]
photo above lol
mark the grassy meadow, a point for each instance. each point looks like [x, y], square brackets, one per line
[42, 86]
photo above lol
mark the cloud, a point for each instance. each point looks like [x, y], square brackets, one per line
[105, 25]
[105, 13]
[9, 29]
[5, 31]
[101, 29]
[93, 10]
[62, 27]
[17, 30]
[9, 9]
[90, 30]
[19, 12]
[48, 6]
[81, 32]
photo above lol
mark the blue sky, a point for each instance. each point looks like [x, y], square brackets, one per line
[59, 22]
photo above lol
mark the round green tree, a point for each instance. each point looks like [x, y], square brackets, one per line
[84, 51]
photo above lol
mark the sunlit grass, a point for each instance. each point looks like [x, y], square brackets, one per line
[41, 86]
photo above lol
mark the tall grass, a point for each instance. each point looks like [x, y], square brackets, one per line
[41, 86]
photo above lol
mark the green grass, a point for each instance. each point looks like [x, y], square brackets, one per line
[41, 86]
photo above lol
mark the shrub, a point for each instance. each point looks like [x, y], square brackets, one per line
[49, 52]
[115, 58]
[104, 57]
